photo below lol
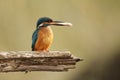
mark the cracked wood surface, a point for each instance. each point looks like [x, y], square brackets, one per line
[16, 61]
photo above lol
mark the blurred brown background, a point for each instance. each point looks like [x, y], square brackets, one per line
[95, 35]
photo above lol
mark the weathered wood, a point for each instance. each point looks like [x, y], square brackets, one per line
[15, 61]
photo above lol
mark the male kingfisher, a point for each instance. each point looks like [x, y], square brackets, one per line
[43, 36]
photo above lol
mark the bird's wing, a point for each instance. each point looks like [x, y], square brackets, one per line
[34, 38]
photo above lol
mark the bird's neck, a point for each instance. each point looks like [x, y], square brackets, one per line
[46, 30]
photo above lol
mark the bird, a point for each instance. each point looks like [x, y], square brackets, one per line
[42, 37]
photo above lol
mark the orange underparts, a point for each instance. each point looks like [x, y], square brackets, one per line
[44, 40]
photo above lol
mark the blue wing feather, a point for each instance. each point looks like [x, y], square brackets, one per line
[34, 38]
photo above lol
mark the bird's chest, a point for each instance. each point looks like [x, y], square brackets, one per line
[45, 35]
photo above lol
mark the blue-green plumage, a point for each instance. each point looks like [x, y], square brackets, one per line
[34, 38]
[35, 34]
[43, 19]
[42, 36]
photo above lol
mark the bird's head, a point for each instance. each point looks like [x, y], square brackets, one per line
[46, 21]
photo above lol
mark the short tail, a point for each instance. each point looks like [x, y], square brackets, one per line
[33, 49]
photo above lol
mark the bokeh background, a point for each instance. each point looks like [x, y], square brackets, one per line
[95, 35]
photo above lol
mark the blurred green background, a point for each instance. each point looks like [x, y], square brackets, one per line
[95, 35]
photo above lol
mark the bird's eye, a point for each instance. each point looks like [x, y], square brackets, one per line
[49, 21]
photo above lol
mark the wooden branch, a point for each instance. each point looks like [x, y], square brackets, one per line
[15, 61]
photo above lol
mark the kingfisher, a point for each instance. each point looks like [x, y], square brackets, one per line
[42, 37]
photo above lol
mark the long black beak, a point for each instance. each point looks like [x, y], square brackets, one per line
[60, 23]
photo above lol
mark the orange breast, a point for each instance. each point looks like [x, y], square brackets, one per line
[45, 38]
